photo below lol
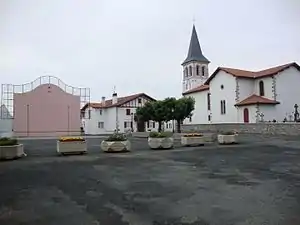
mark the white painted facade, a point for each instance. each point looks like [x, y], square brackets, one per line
[238, 96]
[98, 120]
[6, 122]
[201, 111]
[282, 87]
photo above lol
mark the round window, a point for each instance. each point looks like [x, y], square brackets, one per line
[222, 86]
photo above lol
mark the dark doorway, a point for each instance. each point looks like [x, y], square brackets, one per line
[246, 115]
[140, 126]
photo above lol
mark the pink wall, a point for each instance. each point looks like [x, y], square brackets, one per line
[46, 111]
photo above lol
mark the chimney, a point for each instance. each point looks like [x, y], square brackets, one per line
[114, 98]
[103, 101]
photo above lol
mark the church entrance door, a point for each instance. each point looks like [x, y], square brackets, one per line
[246, 115]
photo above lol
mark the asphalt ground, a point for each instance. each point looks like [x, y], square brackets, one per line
[254, 182]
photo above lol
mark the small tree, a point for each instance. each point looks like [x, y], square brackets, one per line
[144, 112]
[158, 112]
[183, 109]
[169, 104]
[152, 111]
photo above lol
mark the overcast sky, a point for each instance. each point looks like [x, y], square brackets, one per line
[138, 45]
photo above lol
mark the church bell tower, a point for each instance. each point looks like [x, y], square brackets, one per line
[195, 66]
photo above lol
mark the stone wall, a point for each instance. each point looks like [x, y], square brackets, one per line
[250, 128]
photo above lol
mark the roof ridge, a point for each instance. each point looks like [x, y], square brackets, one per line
[258, 71]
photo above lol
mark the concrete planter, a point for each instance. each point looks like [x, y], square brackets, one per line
[116, 146]
[71, 147]
[227, 139]
[12, 152]
[161, 143]
[192, 141]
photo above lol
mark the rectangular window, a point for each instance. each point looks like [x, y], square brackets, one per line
[83, 114]
[101, 125]
[223, 107]
[100, 111]
[139, 100]
[153, 125]
[190, 119]
[208, 101]
[127, 112]
[203, 71]
[89, 114]
[209, 117]
[148, 124]
[128, 124]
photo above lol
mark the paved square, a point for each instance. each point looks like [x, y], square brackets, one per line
[251, 183]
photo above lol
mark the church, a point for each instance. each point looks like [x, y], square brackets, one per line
[231, 95]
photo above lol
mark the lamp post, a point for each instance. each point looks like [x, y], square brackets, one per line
[173, 120]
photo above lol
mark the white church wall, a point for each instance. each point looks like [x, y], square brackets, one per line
[288, 92]
[200, 114]
[267, 87]
[245, 88]
[227, 94]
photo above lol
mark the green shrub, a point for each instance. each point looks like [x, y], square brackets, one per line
[8, 141]
[155, 134]
[116, 137]
[227, 132]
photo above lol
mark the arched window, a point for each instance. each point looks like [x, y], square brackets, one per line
[203, 70]
[190, 70]
[197, 69]
[261, 88]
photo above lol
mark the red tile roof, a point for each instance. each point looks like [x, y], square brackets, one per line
[251, 74]
[255, 99]
[121, 101]
[197, 89]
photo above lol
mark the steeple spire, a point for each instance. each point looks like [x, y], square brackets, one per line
[195, 52]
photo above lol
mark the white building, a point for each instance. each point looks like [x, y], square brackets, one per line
[105, 116]
[238, 96]
[6, 122]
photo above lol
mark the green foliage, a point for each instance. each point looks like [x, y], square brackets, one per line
[8, 141]
[154, 110]
[169, 107]
[227, 132]
[144, 113]
[166, 110]
[155, 134]
[184, 108]
[116, 137]
[158, 111]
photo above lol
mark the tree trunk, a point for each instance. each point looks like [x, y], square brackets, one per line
[178, 126]
[159, 126]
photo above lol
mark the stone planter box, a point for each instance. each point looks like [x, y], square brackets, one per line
[71, 147]
[12, 152]
[116, 146]
[192, 141]
[161, 143]
[227, 139]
